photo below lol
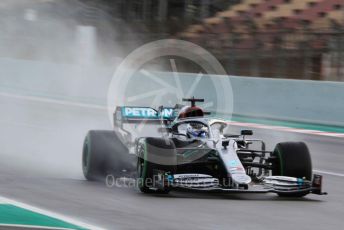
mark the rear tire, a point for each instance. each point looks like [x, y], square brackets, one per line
[293, 160]
[154, 154]
[103, 153]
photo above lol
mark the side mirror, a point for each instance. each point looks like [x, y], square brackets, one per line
[231, 136]
[246, 132]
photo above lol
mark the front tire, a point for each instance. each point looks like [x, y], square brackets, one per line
[293, 160]
[154, 154]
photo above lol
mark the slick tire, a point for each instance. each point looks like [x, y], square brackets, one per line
[294, 160]
[154, 154]
[103, 153]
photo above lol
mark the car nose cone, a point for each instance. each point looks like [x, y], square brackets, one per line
[241, 178]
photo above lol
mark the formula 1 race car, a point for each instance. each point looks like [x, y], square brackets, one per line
[183, 148]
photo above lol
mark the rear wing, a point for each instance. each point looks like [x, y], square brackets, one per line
[136, 114]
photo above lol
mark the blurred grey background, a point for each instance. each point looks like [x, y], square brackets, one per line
[300, 39]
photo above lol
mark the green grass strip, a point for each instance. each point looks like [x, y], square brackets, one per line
[10, 214]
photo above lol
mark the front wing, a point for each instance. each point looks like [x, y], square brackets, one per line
[272, 184]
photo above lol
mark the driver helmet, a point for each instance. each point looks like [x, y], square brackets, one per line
[196, 130]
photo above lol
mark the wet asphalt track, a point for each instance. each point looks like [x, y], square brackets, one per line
[40, 151]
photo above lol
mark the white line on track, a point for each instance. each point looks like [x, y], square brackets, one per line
[53, 101]
[329, 173]
[49, 213]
